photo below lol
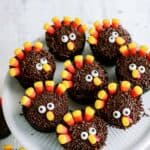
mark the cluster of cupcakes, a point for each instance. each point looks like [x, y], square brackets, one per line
[84, 80]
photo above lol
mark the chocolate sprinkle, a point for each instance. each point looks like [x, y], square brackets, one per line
[118, 102]
[39, 121]
[29, 72]
[75, 131]
[106, 52]
[123, 72]
[59, 49]
[83, 92]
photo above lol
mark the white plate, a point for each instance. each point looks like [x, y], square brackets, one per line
[135, 138]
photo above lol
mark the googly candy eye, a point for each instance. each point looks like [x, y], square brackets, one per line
[126, 111]
[115, 34]
[72, 36]
[111, 39]
[141, 69]
[84, 135]
[42, 109]
[92, 131]
[64, 39]
[116, 114]
[88, 78]
[50, 106]
[94, 73]
[132, 67]
[39, 66]
[43, 60]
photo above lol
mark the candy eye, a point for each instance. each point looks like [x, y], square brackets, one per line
[115, 34]
[126, 111]
[43, 60]
[50, 106]
[111, 39]
[94, 73]
[88, 78]
[64, 38]
[72, 36]
[132, 67]
[39, 66]
[42, 109]
[84, 135]
[116, 114]
[92, 131]
[141, 69]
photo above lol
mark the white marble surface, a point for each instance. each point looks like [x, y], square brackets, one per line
[22, 20]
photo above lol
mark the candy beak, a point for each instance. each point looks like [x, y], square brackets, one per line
[136, 74]
[50, 116]
[70, 46]
[97, 81]
[92, 139]
[47, 67]
[120, 40]
[126, 121]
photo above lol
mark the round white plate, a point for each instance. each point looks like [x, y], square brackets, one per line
[135, 138]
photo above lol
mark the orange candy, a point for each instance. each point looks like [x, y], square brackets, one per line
[57, 22]
[99, 104]
[137, 91]
[77, 116]
[68, 118]
[78, 60]
[125, 86]
[13, 72]
[124, 50]
[19, 53]
[27, 46]
[39, 87]
[89, 113]
[106, 23]
[115, 22]
[66, 75]
[25, 101]
[102, 94]
[49, 85]
[61, 88]
[112, 87]
[30, 92]
[61, 129]
[89, 59]
[13, 62]
[64, 138]
[69, 66]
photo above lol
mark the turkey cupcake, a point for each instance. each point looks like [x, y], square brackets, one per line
[106, 38]
[31, 64]
[4, 130]
[65, 38]
[83, 77]
[120, 104]
[134, 65]
[82, 130]
[44, 105]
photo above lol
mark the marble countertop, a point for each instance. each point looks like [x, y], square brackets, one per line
[22, 20]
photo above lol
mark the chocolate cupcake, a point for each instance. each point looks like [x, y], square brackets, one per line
[105, 40]
[44, 105]
[134, 65]
[4, 130]
[82, 130]
[120, 104]
[32, 64]
[83, 77]
[65, 38]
